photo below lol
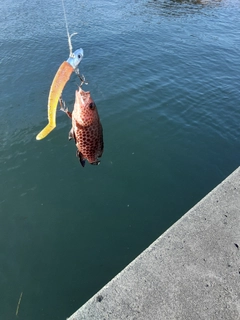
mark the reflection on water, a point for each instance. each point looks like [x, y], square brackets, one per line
[204, 2]
[179, 7]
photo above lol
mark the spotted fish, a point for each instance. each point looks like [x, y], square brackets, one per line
[86, 128]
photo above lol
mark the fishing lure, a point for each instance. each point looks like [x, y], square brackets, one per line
[61, 78]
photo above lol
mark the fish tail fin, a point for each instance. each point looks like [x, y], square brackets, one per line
[96, 163]
[45, 131]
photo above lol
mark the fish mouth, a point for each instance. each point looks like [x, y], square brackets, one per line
[82, 92]
[82, 96]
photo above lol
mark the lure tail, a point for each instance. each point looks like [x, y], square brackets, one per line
[45, 131]
[61, 78]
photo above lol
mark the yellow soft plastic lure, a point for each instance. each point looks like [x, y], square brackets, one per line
[61, 78]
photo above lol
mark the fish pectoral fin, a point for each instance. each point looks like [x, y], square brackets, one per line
[71, 135]
[81, 158]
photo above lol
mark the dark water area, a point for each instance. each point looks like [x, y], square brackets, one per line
[165, 77]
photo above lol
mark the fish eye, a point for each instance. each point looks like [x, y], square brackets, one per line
[79, 56]
[92, 105]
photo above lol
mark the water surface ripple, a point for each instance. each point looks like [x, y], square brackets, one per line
[165, 76]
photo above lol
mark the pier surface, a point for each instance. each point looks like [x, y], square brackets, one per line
[191, 272]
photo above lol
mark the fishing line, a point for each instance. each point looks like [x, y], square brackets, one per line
[68, 35]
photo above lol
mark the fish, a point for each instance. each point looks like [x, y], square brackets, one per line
[86, 128]
[62, 76]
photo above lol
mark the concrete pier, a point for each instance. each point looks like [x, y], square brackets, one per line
[190, 272]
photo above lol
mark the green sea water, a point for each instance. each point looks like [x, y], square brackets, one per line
[165, 77]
